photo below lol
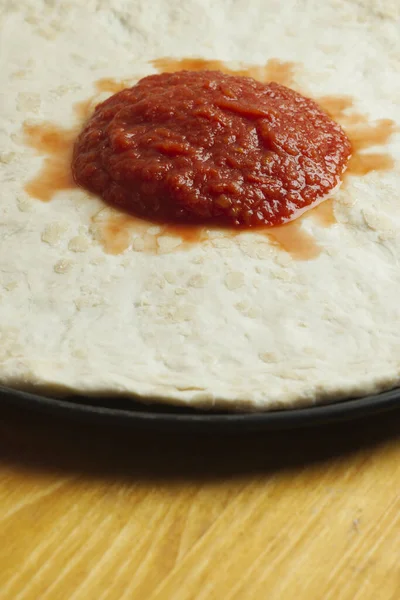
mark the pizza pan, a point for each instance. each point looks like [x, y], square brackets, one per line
[157, 416]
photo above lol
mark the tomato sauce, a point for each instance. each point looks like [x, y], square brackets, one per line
[207, 147]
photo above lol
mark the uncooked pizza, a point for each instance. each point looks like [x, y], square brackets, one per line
[200, 200]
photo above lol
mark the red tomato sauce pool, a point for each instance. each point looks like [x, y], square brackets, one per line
[205, 147]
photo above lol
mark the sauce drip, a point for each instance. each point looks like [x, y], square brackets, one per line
[56, 145]
[363, 135]
[118, 231]
[294, 240]
[279, 71]
[324, 213]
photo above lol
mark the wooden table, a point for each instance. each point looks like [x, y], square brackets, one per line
[88, 513]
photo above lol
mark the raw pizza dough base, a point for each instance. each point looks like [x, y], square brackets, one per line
[233, 323]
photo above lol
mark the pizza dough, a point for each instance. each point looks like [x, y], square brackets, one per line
[232, 322]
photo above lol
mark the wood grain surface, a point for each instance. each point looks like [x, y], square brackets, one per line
[88, 513]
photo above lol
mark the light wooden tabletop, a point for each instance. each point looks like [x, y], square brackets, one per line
[88, 513]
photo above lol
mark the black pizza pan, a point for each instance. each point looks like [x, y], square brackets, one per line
[168, 418]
